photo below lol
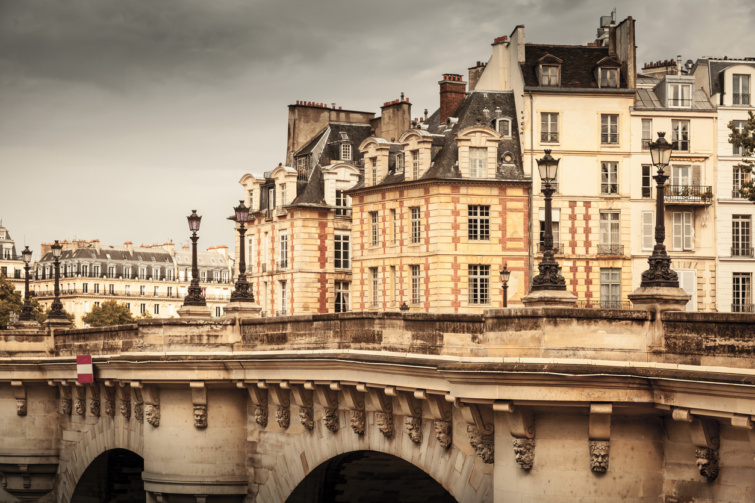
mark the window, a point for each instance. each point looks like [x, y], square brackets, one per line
[266, 252]
[740, 177]
[416, 225]
[85, 270]
[683, 231]
[742, 292]
[156, 292]
[217, 312]
[85, 288]
[504, 127]
[156, 273]
[609, 178]
[647, 181]
[478, 222]
[478, 162]
[610, 288]
[110, 271]
[142, 308]
[479, 284]
[127, 272]
[142, 273]
[301, 167]
[342, 297]
[111, 289]
[740, 236]
[648, 230]
[740, 127]
[141, 290]
[342, 204]
[394, 226]
[283, 194]
[157, 308]
[170, 291]
[373, 164]
[399, 163]
[741, 92]
[96, 304]
[374, 228]
[679, 95]
[203, 276]
[283, 297]
[549, 75]
[96, 271]
[374, 274]
[264, 297]
[548, 127]
[270, 200]
[342, 250]
[96, 288]
[610, 237]
[250, 256]
[609, 77]
[647, 133]
[609, 128]
[345, 151]
[283, 249]
[416, 285]
[688, 283]
[555, 229]
[680, 135]
[415, 164]
[394, 286]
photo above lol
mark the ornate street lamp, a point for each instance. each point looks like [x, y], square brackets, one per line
[56, 309]
[194, 298]
[660, 274]
[505, 274]
[241, 292]
[26, 312]
[549, 277]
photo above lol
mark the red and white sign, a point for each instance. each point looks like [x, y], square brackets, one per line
[84, 369]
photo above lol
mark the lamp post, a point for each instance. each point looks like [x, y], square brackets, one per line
[194, 298]
[26, 312]
[549, 277]
[56, 309]
[241, 292]
[660, 274]
[505, 274]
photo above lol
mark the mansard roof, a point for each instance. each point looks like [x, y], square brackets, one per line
[577, 67]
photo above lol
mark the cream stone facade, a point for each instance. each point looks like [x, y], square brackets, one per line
[11, 262]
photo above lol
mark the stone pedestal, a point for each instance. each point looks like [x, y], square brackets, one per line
[55, 324]
[238, 310]
[194, 312]
[658, 299]
[27, 325]
[549, 298]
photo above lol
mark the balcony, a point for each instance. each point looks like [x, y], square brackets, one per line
[603, 304]
[741, 99]
[742, 251]
[739, 194]
[689, 194]
[743, 308]
[558, 249]
[610, 249]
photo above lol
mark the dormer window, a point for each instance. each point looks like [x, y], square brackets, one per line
[741, 91]
[345, 151]
[373, 163]
[503, 126]
[549, 75]
[609, 77]
[399, 163]
[478, 162]
[415, 164]
[679, 95]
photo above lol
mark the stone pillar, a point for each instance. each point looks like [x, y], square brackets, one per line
[238, 310]
[657, 300]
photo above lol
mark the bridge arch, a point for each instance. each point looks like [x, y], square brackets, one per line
[457, 469]
[114, 475]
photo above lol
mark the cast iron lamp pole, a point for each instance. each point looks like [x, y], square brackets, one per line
[241, 292]
[505, 274]
[660, 274]
[549, 277]
[194, 298]
[26, 312]
[56, 309]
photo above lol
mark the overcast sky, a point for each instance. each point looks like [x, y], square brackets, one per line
[117, 118]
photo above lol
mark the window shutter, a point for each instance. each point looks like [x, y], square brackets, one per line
[696, 180]
[647, 230]
[689, 241]
[678, 230]
[687, 283]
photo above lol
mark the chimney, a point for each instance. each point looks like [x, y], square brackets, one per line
[96, 243]
[474, 74]
[395, 118]
[170, 248]
[452, 92]
[679, 64]
[129, 246]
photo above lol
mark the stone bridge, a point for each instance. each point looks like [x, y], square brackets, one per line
[530, 404]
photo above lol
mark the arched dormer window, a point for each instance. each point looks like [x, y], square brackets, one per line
[478, 148]
[549, 70]
[503, 126]
[417, 145]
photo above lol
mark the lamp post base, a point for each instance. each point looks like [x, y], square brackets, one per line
[194, 312]
[238, 310]
[27, 325]
[549, 298]
[57, 323]
[659, 298]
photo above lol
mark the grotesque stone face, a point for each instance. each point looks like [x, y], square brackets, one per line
[110, 407]
[524, 452]
[66, 406]
[283, 417]
[94, 408]
[356, 419]
[384, 421]
[200, 416]
[414, 428]
[707, 463]
[21, 406]
[331, 419]
[139, 412]
[126, 409]
[307, 417]
[79, 406]
[599, 451]
[260, 415]
[152, 412]
[482, 444]
[443, 433]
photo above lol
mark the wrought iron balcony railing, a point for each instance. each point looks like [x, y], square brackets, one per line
[702, 194]
[741, 99]
[558, 249]
[742, 251]
[742, 308]
[603, 304]
[610, 249]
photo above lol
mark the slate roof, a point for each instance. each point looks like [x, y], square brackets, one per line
[716, 71]
[646, 99]
[579, 62]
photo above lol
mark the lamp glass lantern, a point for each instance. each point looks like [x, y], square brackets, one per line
[57, 249]
[548, 167]
[242, 212]
[505, 275]
[26, 254]
[194, 221]
[660, 151]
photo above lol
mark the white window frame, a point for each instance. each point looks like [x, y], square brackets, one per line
[741, 235]
[549, 127]
[739, 81]
[374, 229]
[250, 256]
[679, 95]
[609, 177]
[646, 181]
[478, 222]
[416, 237]
[283, 294]
[647, 133]
[503, 127]
[739, 177]
[416, 279]
[549, 75]
[283, 195]
[609, 129]
[394, 226]
[375, 286]
[415, 164]
[478, 162]
[342, 249]
[343, 298]
[679, 139]
[683, 231]
[156, 309]
[345, 151]
[610, 228]
[648, 230]
[605, 77]
[399, 163]
[373, 163]
[479, 284]
[610, 287]
[741, 292]
[283, 243]
[740, 127]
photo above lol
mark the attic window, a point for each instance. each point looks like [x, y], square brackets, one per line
[344, 136]
[503, 126]
[609, 77]
[507, 158]
[399, 163]
[345, 151]
[549, 75]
